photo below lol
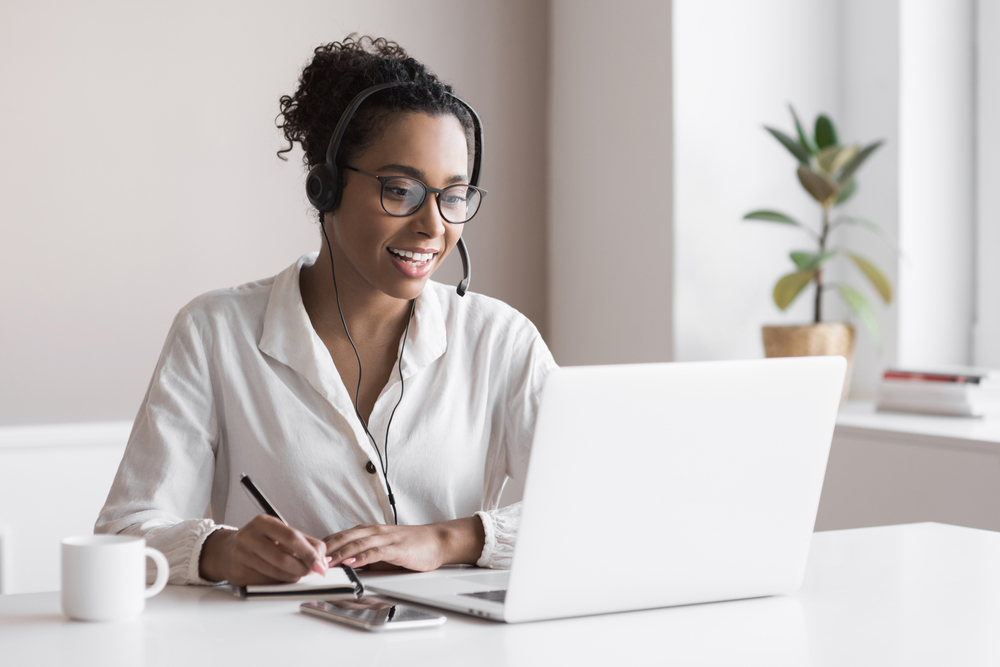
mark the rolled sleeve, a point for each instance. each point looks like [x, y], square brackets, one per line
[181, 543]
[500, 526]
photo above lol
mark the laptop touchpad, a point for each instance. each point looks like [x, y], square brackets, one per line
[489, 580]
[432, 587]
[456, 584]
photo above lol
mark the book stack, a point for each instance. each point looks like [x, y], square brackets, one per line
[965, 392]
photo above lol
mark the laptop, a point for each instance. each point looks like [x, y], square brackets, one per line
[654, 485]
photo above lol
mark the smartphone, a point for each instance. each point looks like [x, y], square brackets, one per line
[373, 613]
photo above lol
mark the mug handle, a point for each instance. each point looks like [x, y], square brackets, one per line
[162, 572]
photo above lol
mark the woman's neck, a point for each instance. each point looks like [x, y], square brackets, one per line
[374, 318]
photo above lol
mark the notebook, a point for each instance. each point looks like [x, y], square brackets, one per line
[339, 583]
[691, 482]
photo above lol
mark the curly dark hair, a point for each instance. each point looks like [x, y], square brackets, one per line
[341, 70]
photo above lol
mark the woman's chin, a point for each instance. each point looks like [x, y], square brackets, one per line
[406, 289]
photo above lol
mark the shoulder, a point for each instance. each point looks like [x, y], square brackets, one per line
[230, 309]
[486, 331]
[476, 315]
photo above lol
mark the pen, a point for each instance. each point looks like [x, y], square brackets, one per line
[259, 499]
[265, 506]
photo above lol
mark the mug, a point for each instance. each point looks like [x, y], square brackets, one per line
[104, 576]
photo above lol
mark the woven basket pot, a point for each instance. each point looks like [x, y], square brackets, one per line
[813, 340]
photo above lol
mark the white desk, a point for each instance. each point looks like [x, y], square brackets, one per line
[923, 594]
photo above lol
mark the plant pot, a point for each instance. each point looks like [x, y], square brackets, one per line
[812, 340]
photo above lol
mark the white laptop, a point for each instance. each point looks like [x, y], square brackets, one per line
[653, 485]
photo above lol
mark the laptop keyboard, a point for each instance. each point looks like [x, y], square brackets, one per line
[494, 596]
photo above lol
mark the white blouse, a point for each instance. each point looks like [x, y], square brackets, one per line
[244, 385]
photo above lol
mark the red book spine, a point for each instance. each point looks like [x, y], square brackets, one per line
[930, 377]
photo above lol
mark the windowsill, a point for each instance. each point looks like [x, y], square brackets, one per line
[859, 418]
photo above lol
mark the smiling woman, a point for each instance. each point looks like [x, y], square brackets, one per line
[296, 379]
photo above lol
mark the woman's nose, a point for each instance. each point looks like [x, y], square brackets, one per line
[428, 219]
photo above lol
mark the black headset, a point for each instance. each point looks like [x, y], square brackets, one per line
[324, 189]
[323, 184]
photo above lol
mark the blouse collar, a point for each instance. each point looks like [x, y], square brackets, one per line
[289, 337]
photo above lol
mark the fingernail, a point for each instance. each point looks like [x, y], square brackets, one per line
[349, 561]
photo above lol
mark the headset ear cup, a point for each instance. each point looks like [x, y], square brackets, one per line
[323, 188]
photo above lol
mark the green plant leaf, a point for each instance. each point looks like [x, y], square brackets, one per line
[860, 222]
[826, 135]
[844, 155]
[874, 275]
[804, 139]
[819, 186]
[871, 226]
[862, 311]
[789, 287]
[810, 261]
[793, 146]
[826, 157]
[833, 158]
[847, 173]
[771, 216]
[846, 192]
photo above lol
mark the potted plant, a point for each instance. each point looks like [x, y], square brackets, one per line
[826, 169]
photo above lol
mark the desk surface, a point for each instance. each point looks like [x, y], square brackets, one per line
[921, 594]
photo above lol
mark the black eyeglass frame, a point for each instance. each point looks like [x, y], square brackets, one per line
[427, 191]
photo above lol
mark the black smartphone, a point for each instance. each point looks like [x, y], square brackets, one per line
[374, 613]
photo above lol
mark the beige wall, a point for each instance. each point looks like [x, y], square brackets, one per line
[138, 170]
[611, 182]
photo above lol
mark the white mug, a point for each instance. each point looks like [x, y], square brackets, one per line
[104, 576]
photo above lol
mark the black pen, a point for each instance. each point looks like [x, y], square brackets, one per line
[263, 504]
[259, 499]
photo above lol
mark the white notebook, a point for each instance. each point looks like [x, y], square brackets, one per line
[339, 583]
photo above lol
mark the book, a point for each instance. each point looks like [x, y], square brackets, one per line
[959, 392]
[971, 376]
[339, 583]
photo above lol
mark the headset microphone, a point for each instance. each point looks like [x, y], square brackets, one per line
[466, 267]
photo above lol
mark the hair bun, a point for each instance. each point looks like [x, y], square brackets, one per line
[341, 70]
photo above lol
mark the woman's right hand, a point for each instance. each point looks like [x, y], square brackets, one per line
[265, 551]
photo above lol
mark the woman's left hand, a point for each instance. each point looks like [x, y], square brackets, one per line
[420, 548]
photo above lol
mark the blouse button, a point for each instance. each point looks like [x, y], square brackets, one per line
[370, 467]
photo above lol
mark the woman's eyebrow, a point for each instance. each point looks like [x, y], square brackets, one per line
[413, 172]
[403, 169]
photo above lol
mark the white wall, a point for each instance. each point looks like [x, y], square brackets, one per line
[737, 65]
[897, 71]
[870, 111]
[936, 177]
[138, 170]
[987, 338]
[610, 182]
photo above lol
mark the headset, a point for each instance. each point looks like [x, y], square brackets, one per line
[323, 184]
[324, 190]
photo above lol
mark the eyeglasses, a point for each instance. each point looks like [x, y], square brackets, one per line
[402, 196]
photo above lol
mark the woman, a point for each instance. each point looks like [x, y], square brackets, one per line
[295, 380]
